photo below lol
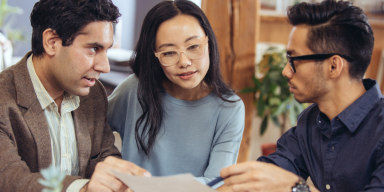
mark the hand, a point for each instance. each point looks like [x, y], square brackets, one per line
[104, 180]
[224, 188]
[257, 176]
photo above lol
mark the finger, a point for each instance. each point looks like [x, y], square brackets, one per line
[126, 167]
[240, 168]
[225, 188]
[96, 186]
[99, 188]
[248, 187]
[99, 178]
[250, 176]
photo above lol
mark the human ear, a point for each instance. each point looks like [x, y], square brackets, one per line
[50, 41]
[336, 66]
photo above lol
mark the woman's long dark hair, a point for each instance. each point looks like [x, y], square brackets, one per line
[147, 68]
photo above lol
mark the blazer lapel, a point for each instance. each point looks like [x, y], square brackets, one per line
[38, 126]
[37, 123]
[84, 142]
[34, 115]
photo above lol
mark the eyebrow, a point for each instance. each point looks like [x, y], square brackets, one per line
[167, 45]
[190, 38]
[170, 44]
[98, 45]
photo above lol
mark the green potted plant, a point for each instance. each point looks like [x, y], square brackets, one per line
[53, 179]
[7, 11]
[273, 99]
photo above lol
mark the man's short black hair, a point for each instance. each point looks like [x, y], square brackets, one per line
[337, 27]
[67, 18]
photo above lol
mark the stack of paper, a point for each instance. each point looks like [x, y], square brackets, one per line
[176, 183]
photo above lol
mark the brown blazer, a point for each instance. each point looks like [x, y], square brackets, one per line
[25, 145]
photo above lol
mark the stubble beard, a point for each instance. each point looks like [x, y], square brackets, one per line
[313, 90]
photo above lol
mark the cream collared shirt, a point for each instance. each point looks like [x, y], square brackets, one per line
[61, 128]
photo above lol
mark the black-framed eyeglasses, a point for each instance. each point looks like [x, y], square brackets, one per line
[320, 57]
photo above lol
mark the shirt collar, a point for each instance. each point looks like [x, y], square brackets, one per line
[353, 115]
[42, 95]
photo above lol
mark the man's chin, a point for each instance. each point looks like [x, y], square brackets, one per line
[81, 92]
[299, 100]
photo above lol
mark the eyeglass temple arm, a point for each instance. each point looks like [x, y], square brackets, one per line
[321, 56]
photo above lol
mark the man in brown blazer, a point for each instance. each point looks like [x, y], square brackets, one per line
[52, 107]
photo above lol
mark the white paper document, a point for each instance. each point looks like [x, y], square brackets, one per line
[175, 183]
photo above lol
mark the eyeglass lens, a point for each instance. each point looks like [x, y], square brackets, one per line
[192, 52]
[290, 61]
[292, 66]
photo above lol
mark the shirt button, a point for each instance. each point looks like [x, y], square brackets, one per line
[328, 187]
[319, 121]
[65, 155]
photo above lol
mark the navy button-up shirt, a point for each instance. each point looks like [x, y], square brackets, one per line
[344, 154]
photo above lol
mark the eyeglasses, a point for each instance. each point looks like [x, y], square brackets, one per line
[194, 51]
[322, 56]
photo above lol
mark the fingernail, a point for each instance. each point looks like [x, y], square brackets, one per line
[147, 174]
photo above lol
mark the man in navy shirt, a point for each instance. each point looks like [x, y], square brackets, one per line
[339, 139]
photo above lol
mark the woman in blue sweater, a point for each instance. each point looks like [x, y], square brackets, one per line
[175, 114]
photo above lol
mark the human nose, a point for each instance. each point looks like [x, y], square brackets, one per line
[287, 71]
[102, 63]
[184, 61]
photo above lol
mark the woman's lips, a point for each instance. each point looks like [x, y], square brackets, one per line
[187, 75]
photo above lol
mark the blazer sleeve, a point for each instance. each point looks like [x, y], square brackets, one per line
[15, 175]
[103, 140]
[108, 147]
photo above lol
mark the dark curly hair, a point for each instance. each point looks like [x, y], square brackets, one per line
[337, 27]
[67, 18]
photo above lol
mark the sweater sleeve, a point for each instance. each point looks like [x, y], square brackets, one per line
[227, 139]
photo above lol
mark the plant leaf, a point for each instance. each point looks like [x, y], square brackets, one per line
[276, 121]
[260, 106]
[292, 114]
[45, 183]
[6, 10]
[256, 82]
[282, 107]
[274, 101]
[299, 107]
[16, 35]
[275, 75]
[264, 64]
[263, 126]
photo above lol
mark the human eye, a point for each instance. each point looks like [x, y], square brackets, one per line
[169, 54]
[93, 49]
[193, 47]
